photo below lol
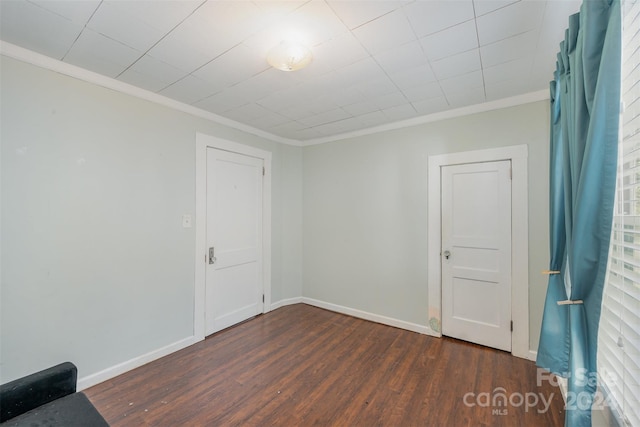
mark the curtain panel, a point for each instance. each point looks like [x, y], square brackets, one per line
[585, 114]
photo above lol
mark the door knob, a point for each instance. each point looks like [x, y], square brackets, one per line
[446, 254]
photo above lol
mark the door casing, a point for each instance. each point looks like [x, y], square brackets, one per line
[203, 142]
[520, 238]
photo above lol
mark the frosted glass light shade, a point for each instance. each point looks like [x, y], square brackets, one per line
[289, 56]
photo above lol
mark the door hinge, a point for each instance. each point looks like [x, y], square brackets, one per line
[510, 173]
[262, 297]
[263, 171]
[512, 326]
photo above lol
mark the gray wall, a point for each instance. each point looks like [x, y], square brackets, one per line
[96, 267]
[365, 211]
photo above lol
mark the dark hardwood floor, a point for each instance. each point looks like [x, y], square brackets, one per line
[303, 366]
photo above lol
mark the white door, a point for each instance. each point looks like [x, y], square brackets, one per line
[476, 253]
[234, 288]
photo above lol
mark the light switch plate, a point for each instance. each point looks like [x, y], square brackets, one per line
[186, 221]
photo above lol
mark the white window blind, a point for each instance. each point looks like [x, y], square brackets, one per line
[619, 333]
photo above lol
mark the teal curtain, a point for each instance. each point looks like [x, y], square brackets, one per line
[553, 350]
[585, 111]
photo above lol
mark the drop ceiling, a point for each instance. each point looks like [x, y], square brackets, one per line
[375, 62]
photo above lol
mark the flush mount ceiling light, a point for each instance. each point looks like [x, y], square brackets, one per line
[289, 56]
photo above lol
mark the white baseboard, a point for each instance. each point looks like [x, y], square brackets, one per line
[283, 302]
[533, 355]
[121, 368]
[389, 321]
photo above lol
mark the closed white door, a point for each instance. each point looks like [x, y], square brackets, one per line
[476, 253]
[234, 288]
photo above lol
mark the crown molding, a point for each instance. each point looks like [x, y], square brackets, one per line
[43, 61]
[513, 101]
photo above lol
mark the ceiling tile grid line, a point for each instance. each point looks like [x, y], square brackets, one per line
[482, 68]
[159, 40]
[376, 61]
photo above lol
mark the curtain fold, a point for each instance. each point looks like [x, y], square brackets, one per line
[554, 335]
[584, 142]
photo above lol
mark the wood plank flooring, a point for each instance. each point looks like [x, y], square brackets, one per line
[303, 366]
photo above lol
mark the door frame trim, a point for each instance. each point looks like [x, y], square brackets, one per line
[203, 142]
[518, 155]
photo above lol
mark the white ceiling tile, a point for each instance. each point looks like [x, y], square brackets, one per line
[412, 77]
[317, 21]
[518, 69]
[78, 11]
[171, 49]
[315, 70]
[297, 112]
[311, 24]
[266, 83]
[338, 52]
[341, 126]
[456, 65]
[554, 23]
[269, 120]
[426, 91]
[294, 102]
[288, 128]
[189, 90]
[390, 100]
[357, 12]
[113, 20]
[361, 71]
[212, 30]
[482, 7]
[361, 107]
[400, 112]
[247, 112]
[276, 9]
[318, 105]
[375, 88]
[221, 102]
[373, 118]
[160, 15]
[30, 26]
[101, 54]
[229, 21]
[151, 74]
[506, 88]
[347, 96]
[429, 106]
[325, 117]
[284, 99]
[280, 104]
[303, 134]
[233, 66]
[539, 80]
[385, 32]
[510, 49]
[408, 55]
[509, 21]
[461, 84]
[428, 17]
[457, 39]
[468, 97]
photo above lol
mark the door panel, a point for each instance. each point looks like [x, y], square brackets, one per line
[476, 232]
[234, 286]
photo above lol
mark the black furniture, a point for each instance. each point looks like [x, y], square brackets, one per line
[48, 398]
